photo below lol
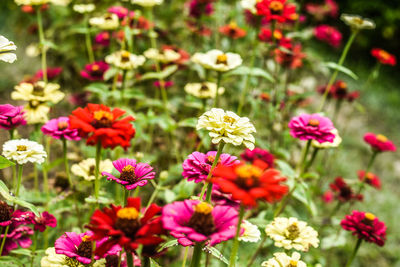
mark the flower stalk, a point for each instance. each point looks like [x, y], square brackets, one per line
[42, 41]
[235, 248]
[88, 40]
[196, 257]
[353, 255]
[19, 181]
[4, 240]
[66, 165]
[97, 173]
[219, 77]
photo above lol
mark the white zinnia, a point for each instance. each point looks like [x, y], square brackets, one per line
[86, 168]
[166, 56]
[35, 112]
[203, 90]
[218, 60]
[251, 232]
[6, 47]
[147, 3]
[84, 8]
[125, 60]
[23, 151]
[31, 2]
[291, 233]
[357, 22]
[336, 142]
[106, 22]
[249, 5]
[52, 259]
[227, 127]
[40, 92]
[280, 259]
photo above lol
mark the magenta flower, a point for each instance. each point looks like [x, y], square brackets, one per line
[258, 153]
[59, 128]
[365, 226]
[379, 143]
[328, 34]
[223, 199]
[52, 73]
[132, 174]
[120, 11]
[102, 38]
[167, 84]
[10, 216]
[197, 166]
[193, 221]
[312, 127]
[16, 236]
[11, 117]
[45, 219]
[95, 71]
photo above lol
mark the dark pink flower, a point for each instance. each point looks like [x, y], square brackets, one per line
[16, 236]
[197, 166]
[10, 216]
[59, 128]
[328, 196]
[343, 192]
[45, 219]
[95, 71]
[11, 116]
[258, 153]
[379, 143]
[193, 221]
[369, 178]
[319, 11]
[223, 199]
[120, 11]
[365, 226]
[52, 73]
[328, 34]
[312, 127]
[167, 84]
[102, 38]
[198, 8]
[132, 174]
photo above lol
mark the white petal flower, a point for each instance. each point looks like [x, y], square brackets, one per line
[125, 60]
[35, 112]
[61, 2]
[166, 56]
[357, 22]
[251, 232]
[218, 60]
[249, 5]
[6, 47]
[52, 259]
[281, 259]
[23, 151]
[86, 168]
[227, 127]
[147, 3]
[31, 2]
[84, 8]
[106, 22]
[40, 91]
[336, 142]
[291, 233]
[203, 90]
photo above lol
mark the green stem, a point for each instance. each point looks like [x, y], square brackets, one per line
[219, 76]
[123, 86]
[145, 262]
[371, 161]
[185, 256]
[196, 257]
[155, 192]
[353, 255]
[285, 201]
[88, 40]
[66, 165]
[129, 259]
[34, 248]
[19, 180]
[301, 165]
[97, 173]
[235, 248]
[260, 246]
[313, 156]
[42, 43]
[4, 240]
[336, 72]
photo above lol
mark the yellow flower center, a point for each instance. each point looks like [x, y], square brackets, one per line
[202, 220]
[313, 122]
[102, 118]
[381, 138]
[342, 85]
[21, 148]
[125, 56]
[293, 231]
[203, 208]
[222, 59]
[369, 176]
[62, 125]
[358, 21]
[229, 119]
[248, 171]
[276, 6]
[95, 67]
[128, 213]
[85, 238]
[369, 216]
[233, 25]
[292, 263]
[278, 35]
[384, 55]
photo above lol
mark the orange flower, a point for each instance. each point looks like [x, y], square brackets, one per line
[383, 57]
[232, 30]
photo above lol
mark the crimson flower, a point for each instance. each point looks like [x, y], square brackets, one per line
[379, 143]
[383, 57]
[98, 123]
[278, 10]
[45, 219]
[339, 91]
[249, 183]
[291, 57]
[369, 178]
[258, 154]
[95, 71]
[232, 30]
[328, 34]
[319, 11]
[343, 191]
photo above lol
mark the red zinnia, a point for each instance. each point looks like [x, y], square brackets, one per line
[383, 57]
[126, 226]
[277, 10]
[369, 178]
[248, 183]
[343, 191]
[379, 143]
[292, 58]
[365, 226]
[232, 30]
[98, 123]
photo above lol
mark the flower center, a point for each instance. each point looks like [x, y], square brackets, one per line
[222, 59]
[292, 263]
[381, 138]
[384, 55]
[369, 176]
[293, 231]
[62, 125]
[125, 56]
[95, 67]
[108, 17]
[276, 7]
[128, 174]
[22, 148]
[248, 176]
[313, 122]
[71, 262]
[5, 212]
[358, 21]
[204, 88]
[85, 248]
[38, 90]
[202, 220]
[128, 221]
[369, 216]
[91, 169]
[111, 261]
[229, 120]
[102, 119]
[278, 35]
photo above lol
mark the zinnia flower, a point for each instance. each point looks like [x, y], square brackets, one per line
[6, 48]
[379, 143]
[336, 141]
[125, 60]
[23, 151]
[52, 73]
[102, 38]
[86, 168]
[18, 235]
[369, 178]
[227, 127]
[106, 22]
[11, 117]
[44, 220]
[291, 57]
[278, 10]
[281, 259]
[36, 112]
[98, 123]
[193, 221]
[95, 71]
[258, 154]
[328, 34]
[31, 2]
[147, 3]
[10, 216]
[132, 174]
[357, 22]
[127, 226]
[343, 192]
[203, 90]
[40, 92]
[120, 11]
[365, 226]
[218, 60]
[312, 127]
[198, 165]
[249, 183]
[232, 30]
[291, 233]
[84, 8]
[320, 11]
[59, 128]
[165, 56]
[383, 57]
[250, 233]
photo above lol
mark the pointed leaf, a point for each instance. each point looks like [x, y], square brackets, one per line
[216, 253]
[343, 69]
[4, 163]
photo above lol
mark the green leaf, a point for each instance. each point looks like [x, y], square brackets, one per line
[160, 75]
[154, 263]
[4, 163]
[168, 244]
[189, 122]
[243, 70]
[169, 196]
[303, 194]
[110, 73]
[345, 70]
[216, 253]
[5, 192]
[285, 168]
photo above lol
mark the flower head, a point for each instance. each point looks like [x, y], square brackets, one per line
[6, 48]
[18, 235]
[98, 123]
[102, 38]
[23, 151]
[320, 11]
[365, 226]
[291, 233]
[59, 128]
[312, 127]
[95, 71]
[45, 219]
[84, 8]
[203, 90]
[291, 57]
[336, 141]
[86, 168]
[218, 60]
[328, 34]
[227, 127]
[369, 178]
[132, 174]
[36, 112]
[379, 142]
[250, 233]
[258, 154]
[11, 117]
[52, 73]
[198, 165]
[198, 8]
[282, 259]
[31, 2]
[357, 22]
[163, 56]
[193, 221]
[147, 3]
[278, 10]
[120, 11]
[10, 216]
[383, 57]
[232, 30]
[125, 60]
[343, 192]
[108, 21]
[39, 91]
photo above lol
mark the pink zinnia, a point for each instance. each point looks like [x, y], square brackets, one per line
[52, 73]
[167, 84]
[198, 165]
[365, 226]
[328, 34]
[95, 71]
[11, 116]
[312, 127]
[258, 153]
[17, 236]
[45, 219]
[59, 128]
[193, 221]
[120, 11]
[102, 38]
[10, 216]
[132, 174]
[369, 178]
[379, 143]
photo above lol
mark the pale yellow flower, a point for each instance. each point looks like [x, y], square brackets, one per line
[218, 60]
[249, 5]
[35, 112]
[227, 127]
[165, 56]
[40, 91]
[203, 90]
[23, 151]
[357, 22]
[52, 259]
[281, 259]
[6, 48]
[86, 168]
[147, 3]
[250, 233]
[31, 2]
[291, 233]
[32, 50]
[84, 8]
[105, 22]
[336, 142]
[61, 2]
[125, 60]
